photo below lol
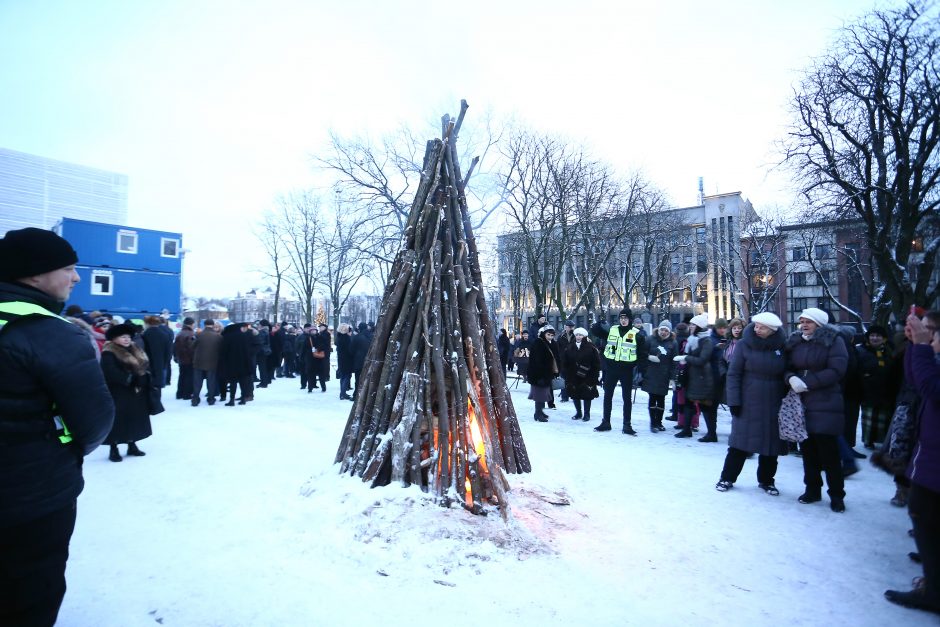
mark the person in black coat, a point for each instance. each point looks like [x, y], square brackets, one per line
[877, 387]
[127, 372]
[360, 350]
[318, 359]
[159, 349]
[581, 367]
[277, 352]
[625, 350]
[659, 372]
[564, 339]
[344, 359]
[289, 351]
[544, 366]
[504, 346]
[520, 355]
[236, 360]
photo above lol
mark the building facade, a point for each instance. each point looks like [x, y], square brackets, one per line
[258, 304]
[39, 192]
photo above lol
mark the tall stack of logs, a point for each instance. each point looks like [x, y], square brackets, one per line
[432, 408]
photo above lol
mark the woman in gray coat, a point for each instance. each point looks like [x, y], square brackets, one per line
[699, 390]
[754, 390]
[816, 362]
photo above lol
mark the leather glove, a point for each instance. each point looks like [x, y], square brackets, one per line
[735, 410]
[679, 358]
[798, 385]
[654, 359]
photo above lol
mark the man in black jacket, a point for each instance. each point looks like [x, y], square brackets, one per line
[625, 349]
[54, 409]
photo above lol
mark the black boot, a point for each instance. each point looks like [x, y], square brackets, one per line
[685, 433]
[604, 426]
[810, 496]
[133, 451]
[709, 437]
[231, 403]
[627, 429]
[114, 455]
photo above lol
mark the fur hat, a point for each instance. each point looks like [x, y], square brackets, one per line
[768, 320]
[665, 324]
[700, 321]
[820, 317]
[31, 251]
[877, 329]
[118, 330]
[581, 331]
[546, 329]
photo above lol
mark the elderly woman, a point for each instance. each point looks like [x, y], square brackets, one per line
[659, 372]
[581, 364]
[755, 389]
[701, 381]
[816, 362]
[126, 370]
[344, 359]
[544, 365]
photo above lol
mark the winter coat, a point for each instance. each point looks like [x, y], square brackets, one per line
[543, 356]
[183, 346]
[319, 367]
[127, 373]
[159, 351]
[277, 343]
[344, 354]
[206, 350]
[581, 368]
[700, 385]
[922, 369]
[875, 386]
[821, 363]
[236, 353]
[755, 384]
[45, 362]
[658, 375]
[503, 345]
[360, 350]
[263, 342]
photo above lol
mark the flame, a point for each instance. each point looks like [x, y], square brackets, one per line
[476, 443]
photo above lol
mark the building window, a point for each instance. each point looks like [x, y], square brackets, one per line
[917, 245]
[823, 251]
[799, 279]
[799, 304]
[169, 247]
[127, 242]
[799, 253]
[102, 283]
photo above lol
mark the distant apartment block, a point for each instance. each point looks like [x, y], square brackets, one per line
[40, 192]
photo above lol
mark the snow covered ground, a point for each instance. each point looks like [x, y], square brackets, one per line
[237, 516]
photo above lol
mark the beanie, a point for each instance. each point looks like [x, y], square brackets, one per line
[721, 323]
[665, 324]
[626, 312]
[768, 320]
[818, 316]
[31, 251]
[700, 321]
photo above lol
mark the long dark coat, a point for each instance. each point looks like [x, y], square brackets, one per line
[130, 388]
[658, 375]
[581, 368]
[876, 387]
[755, 384]
[235, 355]
[344, 354]
[821, 363]
[319, 368]
[541, 354]
[701, 383]
[159, 350]
[360, 349]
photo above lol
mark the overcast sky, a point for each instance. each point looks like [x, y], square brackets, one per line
[212, 109]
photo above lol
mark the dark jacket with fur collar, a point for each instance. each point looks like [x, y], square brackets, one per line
[820, 362]
[127, 371]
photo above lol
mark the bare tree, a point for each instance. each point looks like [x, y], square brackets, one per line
[340, 255]
[864, 144]
[270, 234]
[299, 217]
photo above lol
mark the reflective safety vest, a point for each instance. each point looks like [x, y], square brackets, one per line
[14, 310]
[621, 347]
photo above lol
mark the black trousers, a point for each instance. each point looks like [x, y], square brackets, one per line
[582, 407]
[821, 454]
[924, 508]
[734, 464]
[184, 381]
[625, 377]
[32, 568]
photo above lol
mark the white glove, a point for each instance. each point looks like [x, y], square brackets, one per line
[679, 358]
[798, 385]
[662, 350]
[654, 359]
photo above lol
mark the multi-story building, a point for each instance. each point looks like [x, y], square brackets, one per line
[258, 304]
[687, 261]
[39, 192]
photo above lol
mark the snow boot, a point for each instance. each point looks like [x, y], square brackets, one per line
[114, 455]
[837, 505]
[133, 451]
[708, 437]
[685, 433]
[810, 496]
[628, 429]
[604, 426]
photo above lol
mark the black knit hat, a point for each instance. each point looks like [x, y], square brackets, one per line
[626, 312]
[31, 251]
[118, 330]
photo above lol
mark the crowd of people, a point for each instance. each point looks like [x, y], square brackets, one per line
[820, 379]
[70, 383]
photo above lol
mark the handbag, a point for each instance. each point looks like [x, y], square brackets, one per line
[902, 436]
[558, 383]
[792, 418]
[318, 354]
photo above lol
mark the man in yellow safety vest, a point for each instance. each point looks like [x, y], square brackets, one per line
[54, 409]
[625, 350]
